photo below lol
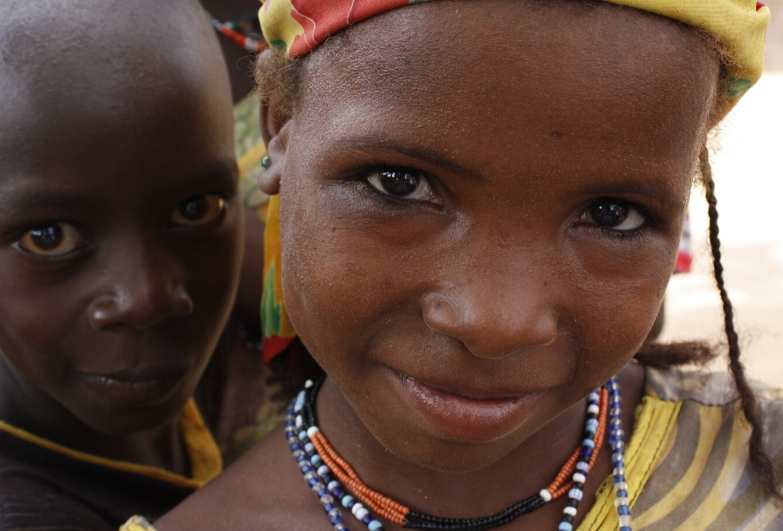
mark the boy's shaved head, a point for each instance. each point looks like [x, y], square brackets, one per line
[103, 56]
[118, 192]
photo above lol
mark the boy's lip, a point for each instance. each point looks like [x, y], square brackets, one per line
[465, 412]
[140, 386]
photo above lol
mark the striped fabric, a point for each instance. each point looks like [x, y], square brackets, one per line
[687, 459]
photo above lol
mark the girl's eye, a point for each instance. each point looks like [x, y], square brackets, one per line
[402, 184]
[613, 215]
[50, 241]
[199, 210]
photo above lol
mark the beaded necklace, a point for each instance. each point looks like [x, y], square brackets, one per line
[337, 484]
[235, 32]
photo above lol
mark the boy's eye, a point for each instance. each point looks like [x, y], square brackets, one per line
[613, 215]
[199, 210]
[402, 184]
[51, 241]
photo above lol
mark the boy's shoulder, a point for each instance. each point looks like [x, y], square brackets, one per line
[28, 500]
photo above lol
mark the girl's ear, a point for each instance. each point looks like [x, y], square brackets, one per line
[275, 117]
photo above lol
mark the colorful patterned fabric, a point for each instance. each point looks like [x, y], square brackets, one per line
[300, 26]
[278, 330]
[687, 463]
[250, 149]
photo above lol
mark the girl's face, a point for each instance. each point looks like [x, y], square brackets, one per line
[119, 231]
[478, 230]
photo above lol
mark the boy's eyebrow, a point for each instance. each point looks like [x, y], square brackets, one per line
[226, 171]
[20, 200]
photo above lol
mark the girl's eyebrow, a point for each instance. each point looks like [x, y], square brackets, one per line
[655, 190]
[372, 145]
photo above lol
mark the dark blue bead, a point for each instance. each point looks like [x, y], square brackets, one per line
[623, 510]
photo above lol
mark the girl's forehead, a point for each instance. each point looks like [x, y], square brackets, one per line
[611, 77]
[585, 38]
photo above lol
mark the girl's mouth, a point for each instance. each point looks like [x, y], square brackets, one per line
[466, 414]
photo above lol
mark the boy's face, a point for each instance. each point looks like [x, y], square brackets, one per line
[120, 228]
[478, 231]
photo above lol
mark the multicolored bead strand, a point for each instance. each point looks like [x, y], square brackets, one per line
[617, 445]
[586, 454]
[233, 33]
[296, 438]
[336, 483]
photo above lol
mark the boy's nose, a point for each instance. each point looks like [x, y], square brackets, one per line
[146, 293]
[492, 322]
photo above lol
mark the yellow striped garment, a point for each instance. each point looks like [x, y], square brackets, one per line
[687, 460]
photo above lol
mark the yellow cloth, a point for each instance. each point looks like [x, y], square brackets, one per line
[203, 452]
[687, 464]
[300, 26]
[137, 523]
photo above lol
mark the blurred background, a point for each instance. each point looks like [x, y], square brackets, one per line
[747, 157]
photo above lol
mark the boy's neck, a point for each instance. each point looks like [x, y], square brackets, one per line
[25, 407]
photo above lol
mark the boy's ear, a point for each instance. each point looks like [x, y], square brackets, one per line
[275, 117]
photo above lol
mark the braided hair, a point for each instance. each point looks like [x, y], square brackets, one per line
[759, 458]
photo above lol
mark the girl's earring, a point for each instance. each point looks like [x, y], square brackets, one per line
[266, 162]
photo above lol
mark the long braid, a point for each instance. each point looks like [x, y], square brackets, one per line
[759, 459]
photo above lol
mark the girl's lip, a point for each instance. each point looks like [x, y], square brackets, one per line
[481, 416]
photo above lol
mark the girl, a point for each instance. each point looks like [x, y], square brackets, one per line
[119, 258]
[480, 206]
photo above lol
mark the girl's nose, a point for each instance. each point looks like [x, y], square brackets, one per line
[492, 323]
[143, 294]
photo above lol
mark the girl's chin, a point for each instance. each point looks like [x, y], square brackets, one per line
[479, 419]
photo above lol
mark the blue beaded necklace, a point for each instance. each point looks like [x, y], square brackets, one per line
[303, 434]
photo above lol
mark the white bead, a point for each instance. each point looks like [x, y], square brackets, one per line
[545, 495]
[308, 384]
[311, 431]
[625, 520]
[569, 510]
[578, 477]
[620, 501]
[575, 494]
[299, 421]
[359, 511]
[593, 409]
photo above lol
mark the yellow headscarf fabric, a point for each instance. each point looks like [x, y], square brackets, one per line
[300, 26]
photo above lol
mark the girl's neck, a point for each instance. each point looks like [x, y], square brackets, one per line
[522, 473]
[25, 407]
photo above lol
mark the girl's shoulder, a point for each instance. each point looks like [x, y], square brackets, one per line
[688, 457]
[706, 387]
[264, 490]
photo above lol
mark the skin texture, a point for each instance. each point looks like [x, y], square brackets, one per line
[497, 280]
[113, 127]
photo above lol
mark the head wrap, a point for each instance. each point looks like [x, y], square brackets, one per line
[299, 26]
